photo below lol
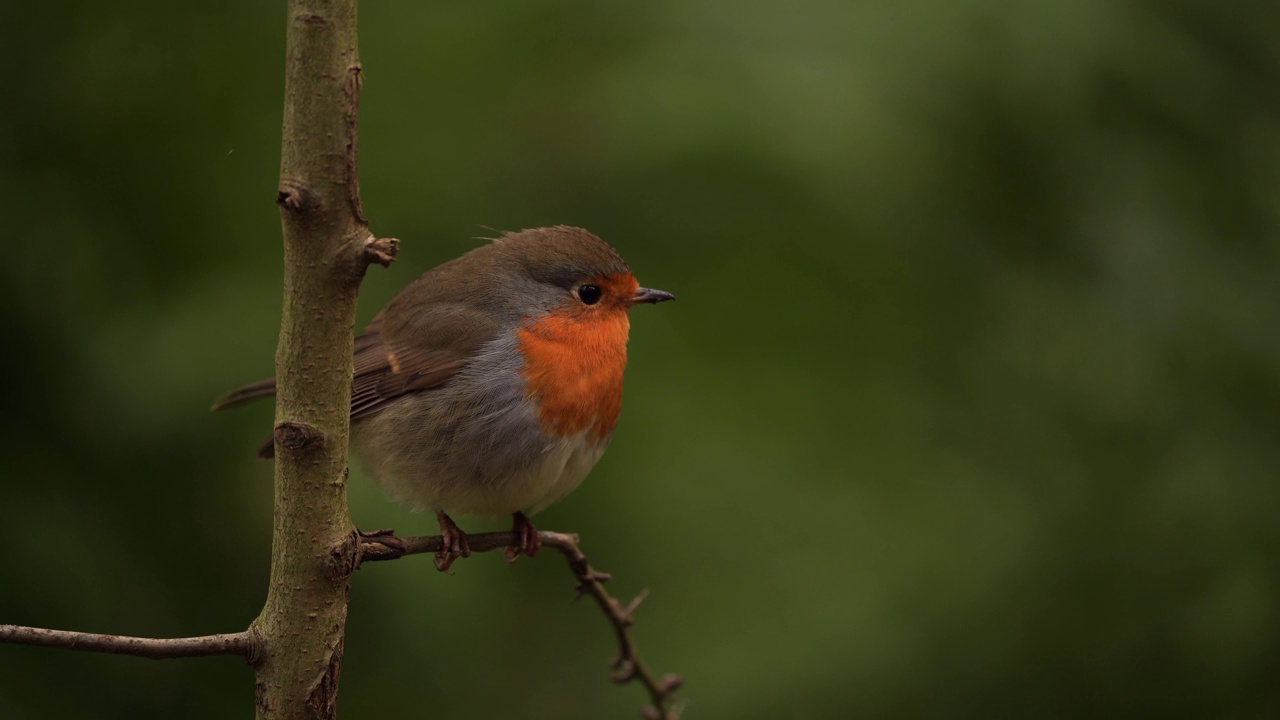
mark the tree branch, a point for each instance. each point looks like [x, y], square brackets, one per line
[241, 643]
[327, 248]
[384, 545]
[296, 642]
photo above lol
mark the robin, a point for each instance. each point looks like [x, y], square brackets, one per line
[490, 385]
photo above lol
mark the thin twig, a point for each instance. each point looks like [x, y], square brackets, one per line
[381, 250]
[240, 643]
[383, 545]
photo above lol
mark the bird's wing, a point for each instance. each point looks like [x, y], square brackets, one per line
[392, 360]
[419, 353]
[384, 372]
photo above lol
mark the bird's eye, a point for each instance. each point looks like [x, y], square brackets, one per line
[589, 294]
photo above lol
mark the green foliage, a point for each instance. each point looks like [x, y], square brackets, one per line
[968, 407]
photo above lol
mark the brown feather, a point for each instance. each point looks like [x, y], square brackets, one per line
[252, 391]
[382, 373]
[433, 328]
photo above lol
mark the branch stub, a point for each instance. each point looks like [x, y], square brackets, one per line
[297, 436]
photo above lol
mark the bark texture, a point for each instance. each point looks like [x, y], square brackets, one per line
[302, 623]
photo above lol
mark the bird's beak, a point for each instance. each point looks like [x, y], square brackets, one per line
[649, 295]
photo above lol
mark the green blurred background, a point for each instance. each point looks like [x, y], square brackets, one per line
[968, 408]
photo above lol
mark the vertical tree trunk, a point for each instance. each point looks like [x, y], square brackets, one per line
[313, 544]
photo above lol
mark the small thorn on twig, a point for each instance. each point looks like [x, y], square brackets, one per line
[631, 607]
[625, 667]
[670, 684]
[626, 672]
[381, 250]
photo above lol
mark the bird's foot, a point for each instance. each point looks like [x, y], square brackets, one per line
[528, 541]
[455, 542]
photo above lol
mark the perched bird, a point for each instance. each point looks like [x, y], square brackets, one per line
[491, 384]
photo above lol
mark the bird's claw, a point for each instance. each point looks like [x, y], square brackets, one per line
[455, 543]
[528, 542]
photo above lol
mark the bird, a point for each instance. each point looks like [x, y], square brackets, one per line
[491, 384]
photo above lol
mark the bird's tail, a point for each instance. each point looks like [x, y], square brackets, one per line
[240, 396]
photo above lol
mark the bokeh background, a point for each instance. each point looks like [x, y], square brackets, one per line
[968, 408]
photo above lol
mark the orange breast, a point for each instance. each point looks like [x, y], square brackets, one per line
[573, 364]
